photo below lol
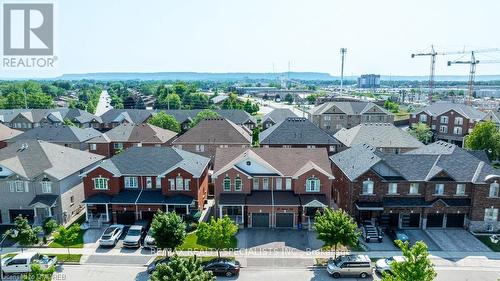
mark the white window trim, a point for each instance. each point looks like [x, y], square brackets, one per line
[179, 183]
[149, 182]
[491, 217]
[494, 190]
[225, 186]
[171, 182]
[417, 187]
[370, 185]
[265, 183]
[46, 186]
[390, 186]
[158, 182]
[101, 183]
[131, 182]
[462, 193]
[255, 183]
[238, 184]
[288, 184]
[279, 184]
[313, 182]
[441, 189]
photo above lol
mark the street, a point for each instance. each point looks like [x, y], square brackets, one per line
[122, 273]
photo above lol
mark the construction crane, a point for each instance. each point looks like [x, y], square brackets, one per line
[472, 70]
[433, 55]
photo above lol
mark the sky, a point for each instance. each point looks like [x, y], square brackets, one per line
[265, 35]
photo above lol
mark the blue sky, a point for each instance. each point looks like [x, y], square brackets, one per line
[251, 36]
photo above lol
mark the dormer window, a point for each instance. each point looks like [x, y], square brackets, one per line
[494, 187]
[312, 184]
[46, 185]
[101, 183]
[368, 187]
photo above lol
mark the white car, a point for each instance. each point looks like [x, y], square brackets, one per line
[384, 265]
[149, 241]
[21, 263]
[111, 235]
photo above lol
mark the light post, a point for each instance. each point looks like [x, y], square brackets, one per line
[12, 234]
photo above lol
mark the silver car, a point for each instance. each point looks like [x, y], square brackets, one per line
[133, 238]
[350, 265]
[149, 241]
[111, 235]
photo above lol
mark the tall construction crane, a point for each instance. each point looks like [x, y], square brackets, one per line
[472, 70]
[433, 55]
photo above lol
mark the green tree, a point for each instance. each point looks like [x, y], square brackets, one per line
[165, 121]
[37, 273]
[422, 132]
[39, 100]
[169, 101]
[67, 236]
[255, 136]
[485, 136]
[185, 269]
[91, 107]
[16, 100]
[68, 122]
[311, 99]
[169, 231]
[336, 227]
[204, 114]
[217, 234]
[26, 234]
[417, 265]
[289, 98]
[49, 225]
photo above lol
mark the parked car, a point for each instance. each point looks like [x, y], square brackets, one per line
[397, 234]
[224, 267]
[371, 233]
[134, 236]
[350, 265]
[152, 266]
[384, 265]
[111, 235]
[21, 263]
[149, 241]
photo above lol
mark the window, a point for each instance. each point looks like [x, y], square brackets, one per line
[101, 183]
[46, 186]
[459, 121]
[490, 214]
[237, 184]
[433, 127]
[279, 184]
[18, 186]
[255, 183]
[327, 118]
[71, 200]
[118, 145]
[413, 188]
[368, 187]
[227, 184]
[149, 182]
[423, 118]
[265, 183]
[200, 148]
[332, 148]
[131, 182]
[288, 184]
[494, 189]
[393, 188]
[179, 183]
[461, 189]
[93, 146]
[187, 183]
[287, 146]
[443, 129]
[444, 120]
[158, 182]
[457, 130]
[312, 185]
[311, 146]
[439, 189]
[171, 182]
[223, 146]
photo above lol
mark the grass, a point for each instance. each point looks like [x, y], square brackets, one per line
[78, 242]
[486, 241]
[202, 259]
[60, 257]
[191, 243]
[341, 248]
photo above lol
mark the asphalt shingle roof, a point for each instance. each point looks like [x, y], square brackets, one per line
[140, 133]
[439, 108]
[296, 130]
[278, 115]
[234, 115]
[215, 131]
[347, 107]
[378, 135]
[58, 115]
[58, 133]
[135, 116]
[8, 133]
[264, 198]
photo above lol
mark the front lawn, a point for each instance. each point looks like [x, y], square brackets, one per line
[191, 243]
[486, 241]
[78, 242]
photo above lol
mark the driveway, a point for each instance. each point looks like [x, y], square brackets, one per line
[289, 239]
[413, 234]
[457, 240]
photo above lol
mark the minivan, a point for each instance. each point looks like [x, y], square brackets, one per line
[350, 265]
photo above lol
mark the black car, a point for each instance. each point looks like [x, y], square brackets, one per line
[223, 267]
[152, 267]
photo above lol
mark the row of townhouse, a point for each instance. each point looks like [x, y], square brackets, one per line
[26, 119]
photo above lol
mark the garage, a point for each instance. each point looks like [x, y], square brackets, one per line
[126, 218]
[27, 213]
[410, 220]
[435, 220]
[260, 220]
[455, 220]
[147, 215]
[284, 220]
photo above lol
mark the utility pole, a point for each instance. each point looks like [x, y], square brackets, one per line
[342, 52]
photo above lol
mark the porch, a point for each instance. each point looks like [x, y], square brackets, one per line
[43, 208]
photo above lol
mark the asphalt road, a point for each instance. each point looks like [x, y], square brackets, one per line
[123, 273]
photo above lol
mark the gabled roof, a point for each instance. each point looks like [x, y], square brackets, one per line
[56, 115]
[58, 133]
[288, 161]
[347, 107]
[236, 116]
[138, 133]
[377, 135]
[8, 133]
[439, 108]
[135, 116]
[154, 161]
[278, 115]
[31, 158]
[493, 116]
[215, 131]
[296, 130]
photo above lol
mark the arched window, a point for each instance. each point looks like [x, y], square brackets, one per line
[312, 184]
[227, 184]
[368, 187]
[494, 187]
[46, 185]
[237, 184]
[179, 182]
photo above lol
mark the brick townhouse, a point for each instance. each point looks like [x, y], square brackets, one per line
[141, 180]
[272, 187]
[439, 185]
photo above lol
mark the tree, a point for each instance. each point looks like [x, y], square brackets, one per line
[217, 234]
[39, 274]
[311, 99]
[49, 225]
[165, 121]
[186, 269]
[39, 100]
[168, 230]
[485, 136]
[15, 100]
[26, 234]
[204, 114]
[422, 132]
[67, 236]
[255, 136]
[336, 227]
[289, 98]
[417, 265]
[68, 122]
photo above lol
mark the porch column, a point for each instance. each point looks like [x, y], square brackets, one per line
[242, 214]
[445, 218]
[187, 209]
[167, 208]
[220, 211]
[34, 215]
[50, 211]
[86, 212]
[107, 213]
